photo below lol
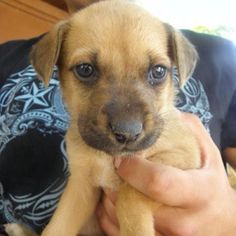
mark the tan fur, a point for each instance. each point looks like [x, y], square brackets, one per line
[121, 38]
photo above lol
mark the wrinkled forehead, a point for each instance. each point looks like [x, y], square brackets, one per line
[115, 32]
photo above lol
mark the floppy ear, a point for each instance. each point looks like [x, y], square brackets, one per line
[182, 53]
[45, 53]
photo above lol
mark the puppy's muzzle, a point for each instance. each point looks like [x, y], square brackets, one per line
[121, 126]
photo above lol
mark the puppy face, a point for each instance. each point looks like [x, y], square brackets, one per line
[115, 63]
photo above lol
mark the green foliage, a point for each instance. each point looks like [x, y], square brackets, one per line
[219, 31]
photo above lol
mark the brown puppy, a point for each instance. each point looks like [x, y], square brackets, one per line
[115, 68]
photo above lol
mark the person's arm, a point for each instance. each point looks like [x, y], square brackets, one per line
[197, 202]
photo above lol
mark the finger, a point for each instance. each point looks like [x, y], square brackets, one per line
[210, 154]
[162, 183]
[167, 184]
[177, 221]
[158, 234]
[209, 151]
[110, 210]
[107, 226]
[112, 195]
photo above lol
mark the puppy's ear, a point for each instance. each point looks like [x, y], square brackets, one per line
[45, 53]
[182, 53]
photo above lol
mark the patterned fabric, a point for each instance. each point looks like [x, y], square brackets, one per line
[192, 98]
[26, 104]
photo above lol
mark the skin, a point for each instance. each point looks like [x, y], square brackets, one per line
[206, 196]
[229, 155]
[204, 206]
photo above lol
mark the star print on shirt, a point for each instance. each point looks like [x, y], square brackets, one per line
[34, 96]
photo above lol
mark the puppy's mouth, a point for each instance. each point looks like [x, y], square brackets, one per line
[103, 140]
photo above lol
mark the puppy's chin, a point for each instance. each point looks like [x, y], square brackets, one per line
[99, 140]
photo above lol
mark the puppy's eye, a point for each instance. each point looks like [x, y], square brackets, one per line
[157, 74]
[85, 72]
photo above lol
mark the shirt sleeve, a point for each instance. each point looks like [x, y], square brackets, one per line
[14, 55]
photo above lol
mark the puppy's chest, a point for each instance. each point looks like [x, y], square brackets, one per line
[104, 175]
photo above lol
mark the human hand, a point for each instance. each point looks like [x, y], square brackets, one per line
[196, 202]
[230, 156]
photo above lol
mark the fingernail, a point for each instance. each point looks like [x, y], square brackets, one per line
[117, 162]
[98, 211]
[112, 195]
[178, 112]
[107, 191]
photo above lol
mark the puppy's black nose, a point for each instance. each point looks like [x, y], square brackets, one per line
[126, 131]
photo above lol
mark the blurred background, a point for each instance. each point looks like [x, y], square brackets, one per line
[216, 17]
[29, 18]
